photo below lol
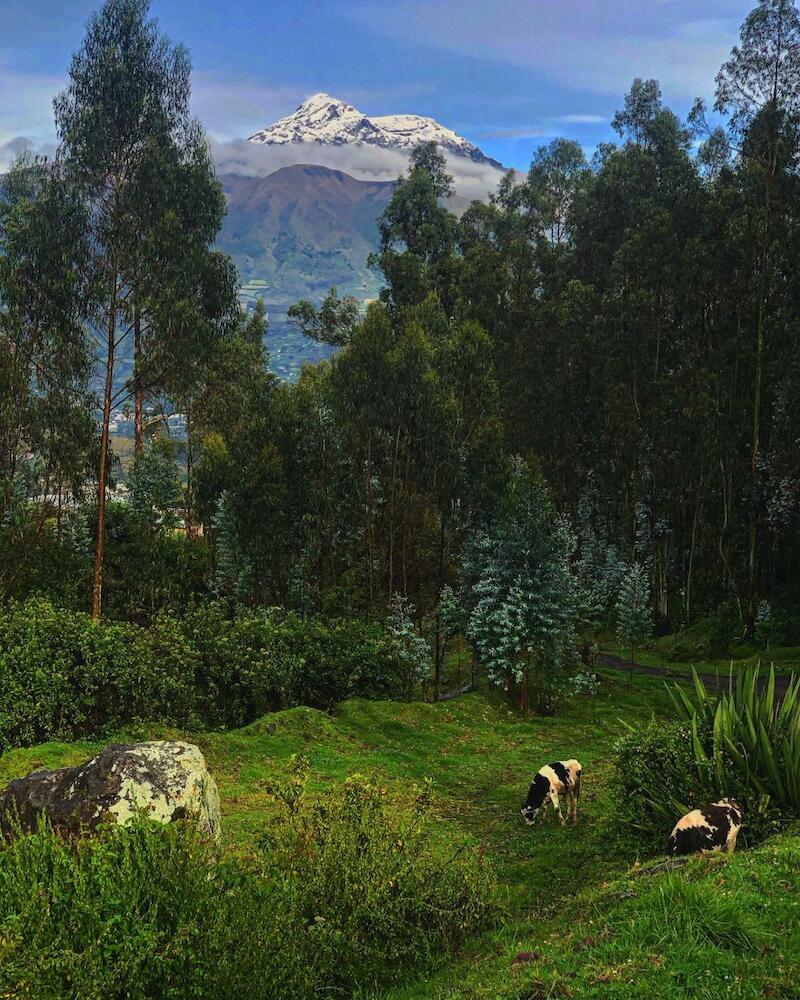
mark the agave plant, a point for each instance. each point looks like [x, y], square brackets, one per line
[745, 737]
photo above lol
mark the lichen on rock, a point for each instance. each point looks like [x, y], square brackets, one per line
[166, 780]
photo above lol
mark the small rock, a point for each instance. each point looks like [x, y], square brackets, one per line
[167, 780]
[524, 958]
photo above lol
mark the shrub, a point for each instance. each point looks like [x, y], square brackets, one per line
[345, 894]
[64, 677]
[143, 911]
[784, 627]
[655, 778]
[724, 628]
[262, 661]
[742, 742]
[746, 743]
[585, 683]
[367, 880]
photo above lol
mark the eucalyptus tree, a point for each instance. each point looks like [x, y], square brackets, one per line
[462, 462]
[758, 89]
[359, 393]
[183, 293]
[46, 432]
[636, 229]
[331, 323]
[251, 477]
[522, 600]
[517, 281]
[417, 233]
[127, 139]
[634, 618]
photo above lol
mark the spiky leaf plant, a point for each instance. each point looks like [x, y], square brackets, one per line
[745, 739]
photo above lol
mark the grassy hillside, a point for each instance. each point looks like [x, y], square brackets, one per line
[588, 927]
[680, 651]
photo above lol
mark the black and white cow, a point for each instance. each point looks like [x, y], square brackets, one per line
[562, 777]
[714, 827]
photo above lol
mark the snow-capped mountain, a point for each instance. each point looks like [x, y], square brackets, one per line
[324, 119]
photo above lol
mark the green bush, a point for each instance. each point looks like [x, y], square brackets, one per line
[368, 881]
[64, 677]
[140, 912]
[344, 894]
[785, 627]
[742, 742]
[656, 779]
[264, 661]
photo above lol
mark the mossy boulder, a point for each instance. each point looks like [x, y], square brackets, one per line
[165, 780]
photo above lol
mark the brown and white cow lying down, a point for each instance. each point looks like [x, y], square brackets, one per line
[562, 777]
[714, 827]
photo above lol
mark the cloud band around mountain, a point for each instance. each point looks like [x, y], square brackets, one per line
[472, 180]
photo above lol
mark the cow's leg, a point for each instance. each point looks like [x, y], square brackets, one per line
[557, 807]
[730, 845]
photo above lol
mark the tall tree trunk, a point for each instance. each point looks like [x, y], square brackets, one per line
[438, 644]
[188, 511]
[138, 392]
[368, 512]
[752, 556]
[392, 491]
[690, 568]
[100, 547]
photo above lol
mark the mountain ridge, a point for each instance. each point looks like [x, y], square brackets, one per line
[324, 119]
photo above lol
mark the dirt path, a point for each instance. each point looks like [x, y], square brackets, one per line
[713, 681]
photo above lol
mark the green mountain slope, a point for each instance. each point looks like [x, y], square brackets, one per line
[302, 229]
[296, 233]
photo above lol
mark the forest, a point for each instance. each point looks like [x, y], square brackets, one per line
[570, 419]
[615, 337]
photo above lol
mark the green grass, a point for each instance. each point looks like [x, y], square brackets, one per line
[567, 894]
[667, 654]
[718, 928]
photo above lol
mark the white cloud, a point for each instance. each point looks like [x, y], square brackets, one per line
[249, 159]
[26, 103]
[597, 47]
[582, 119]
[10, 149]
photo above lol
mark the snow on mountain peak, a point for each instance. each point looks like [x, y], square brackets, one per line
[327, 120]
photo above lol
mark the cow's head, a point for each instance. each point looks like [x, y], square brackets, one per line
[538, 796]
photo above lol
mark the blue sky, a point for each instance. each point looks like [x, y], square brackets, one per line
[508, 74]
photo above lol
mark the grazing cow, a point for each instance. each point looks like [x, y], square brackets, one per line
[714, 827]
[562, 777]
